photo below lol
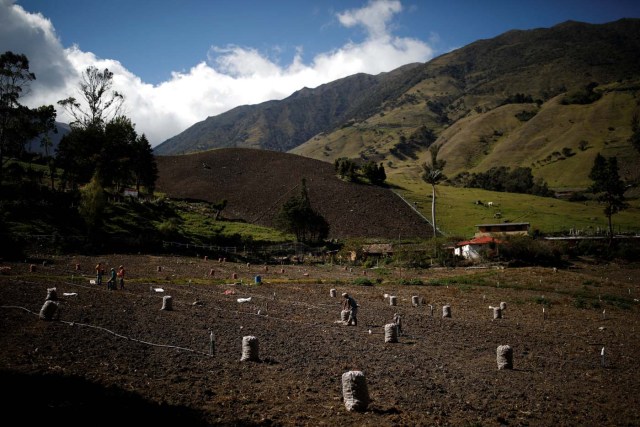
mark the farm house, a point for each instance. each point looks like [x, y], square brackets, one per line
[476, 248]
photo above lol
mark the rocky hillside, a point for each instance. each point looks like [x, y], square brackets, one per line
[256, 183]
[500, 101]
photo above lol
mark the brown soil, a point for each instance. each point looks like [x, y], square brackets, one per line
[116, 357]
[256, 183]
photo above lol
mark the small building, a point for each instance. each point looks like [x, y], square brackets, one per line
[476, 248]
[378, 249]
[503, 229]
[130, 192]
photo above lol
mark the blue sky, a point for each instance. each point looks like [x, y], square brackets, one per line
[178, 62]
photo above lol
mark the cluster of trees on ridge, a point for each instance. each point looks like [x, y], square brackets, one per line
[348, 169]
[503, 179]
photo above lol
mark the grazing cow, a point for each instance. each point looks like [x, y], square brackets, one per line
[489, 203]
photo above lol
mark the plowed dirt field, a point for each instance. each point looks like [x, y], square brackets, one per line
[114, 357]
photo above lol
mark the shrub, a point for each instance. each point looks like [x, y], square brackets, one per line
[579, 302]
[523, 250]
[543, 301]
[583, 96]
[525, 116]
[413, 259]
[169, 228]
[412, 282]
[362, 281]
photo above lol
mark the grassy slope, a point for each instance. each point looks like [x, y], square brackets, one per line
[200, 226]
[497, 138]
[604, 125]
[457, 214]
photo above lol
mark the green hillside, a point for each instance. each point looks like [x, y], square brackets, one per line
[499, 102]
[458, 214]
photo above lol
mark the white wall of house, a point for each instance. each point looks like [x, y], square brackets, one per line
[468, 251]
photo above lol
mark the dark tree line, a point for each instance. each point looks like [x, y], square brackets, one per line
[102, 142]
[503, 179]
[114, 152]
[521, 98]
[348, 169]
[18, 123]
[607, 187]
[635, 135]
[422, 138]
[582, 96]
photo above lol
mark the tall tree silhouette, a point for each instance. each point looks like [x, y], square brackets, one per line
[608, 187]
[433, 174]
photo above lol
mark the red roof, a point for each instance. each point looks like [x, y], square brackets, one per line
[482, 240]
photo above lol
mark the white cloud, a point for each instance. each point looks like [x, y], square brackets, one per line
[232, 75]
[374, 17]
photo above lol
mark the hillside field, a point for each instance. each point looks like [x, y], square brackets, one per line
[257, 182]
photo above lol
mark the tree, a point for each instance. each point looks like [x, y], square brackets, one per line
[44, 123]
[103, 141]
[346, 169]
[375, 174]
[145, 168]
[520, 180]
[79, 154]
[18, 124]
[92, 203]
[218, 208]
[382, 175]
[608, 187]
[117, 153]
[99, 102]
[433, 174]
[296, 216]
[583, 145]
[635, 136]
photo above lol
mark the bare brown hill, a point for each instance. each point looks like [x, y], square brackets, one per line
[256, 183]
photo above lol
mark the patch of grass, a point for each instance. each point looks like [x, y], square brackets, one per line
[590, 282]
[362, 281]
[543, 301]
[579, 302]
[624, 303]
[199, 226]
[411, 282]
[459, 280]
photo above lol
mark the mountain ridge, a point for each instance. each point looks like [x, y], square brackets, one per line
[392, 117]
